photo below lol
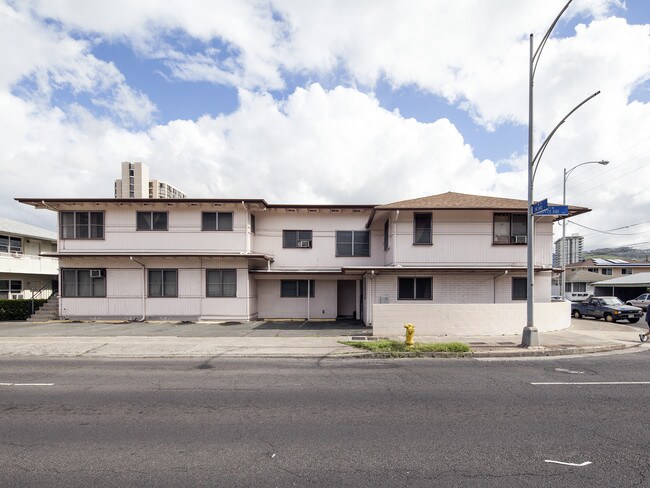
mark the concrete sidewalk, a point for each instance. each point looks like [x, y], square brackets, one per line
[211, 340]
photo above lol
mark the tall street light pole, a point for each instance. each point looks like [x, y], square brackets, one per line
[563, 244]
[530, 335]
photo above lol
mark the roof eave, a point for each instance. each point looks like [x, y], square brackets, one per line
[49, 203]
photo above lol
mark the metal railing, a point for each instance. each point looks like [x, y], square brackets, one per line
[46, 288]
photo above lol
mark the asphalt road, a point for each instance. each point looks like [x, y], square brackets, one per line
[334, 423]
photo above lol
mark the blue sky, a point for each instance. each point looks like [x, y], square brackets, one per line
[177, 99]
[325, 102]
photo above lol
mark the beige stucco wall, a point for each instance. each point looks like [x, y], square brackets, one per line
[463, 237]
[272, 306]
[183, 234]
[477, 287]
[323, 224]
[467, 319]
[124, 287]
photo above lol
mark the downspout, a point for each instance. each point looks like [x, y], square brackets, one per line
[57, 248]
[248, 250]
[247, 235]
[395, 239]
[308, 294]
[372, 296]
[494, 286]
[144, 287]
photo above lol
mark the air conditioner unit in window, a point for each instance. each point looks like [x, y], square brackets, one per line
[304, 243]
[15, 296]
[520, 239]
[96, 273]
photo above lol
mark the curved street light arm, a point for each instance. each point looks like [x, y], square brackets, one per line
[537, 159]
[568, 172]
[535, 58]
[542, 148]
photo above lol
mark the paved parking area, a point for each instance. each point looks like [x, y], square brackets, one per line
[182, 329]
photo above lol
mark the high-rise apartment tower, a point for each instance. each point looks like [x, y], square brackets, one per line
[135, 183]
[573, 251]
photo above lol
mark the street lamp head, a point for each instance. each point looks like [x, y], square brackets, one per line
[567, 172]
[604, 162]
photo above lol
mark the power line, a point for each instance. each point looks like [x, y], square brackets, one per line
[612, 233]
[610, 169]
[608, 181]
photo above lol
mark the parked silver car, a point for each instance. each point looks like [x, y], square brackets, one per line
[641, 301]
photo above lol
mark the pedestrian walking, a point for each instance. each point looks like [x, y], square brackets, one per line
[644, 337]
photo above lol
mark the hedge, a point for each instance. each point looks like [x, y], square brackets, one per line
[18, 309]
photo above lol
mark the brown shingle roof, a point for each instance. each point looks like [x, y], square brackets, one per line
[582, 276]
[463, 201]
[456, 201]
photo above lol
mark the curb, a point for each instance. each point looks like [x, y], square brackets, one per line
[553, 352]
[357, 354]
[488, 354]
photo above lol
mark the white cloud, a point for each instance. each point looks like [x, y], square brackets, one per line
[319, 145]
[46, 60]
[247, 28]
[473, 53]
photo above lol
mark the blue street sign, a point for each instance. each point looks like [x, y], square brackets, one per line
[555, 210]
[540, 206]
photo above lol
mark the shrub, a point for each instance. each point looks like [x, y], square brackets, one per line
[18, 309]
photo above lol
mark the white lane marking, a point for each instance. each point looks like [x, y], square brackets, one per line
[562, 370]
[637, 349]
[567, 464]
[26, 384]
[594, 383]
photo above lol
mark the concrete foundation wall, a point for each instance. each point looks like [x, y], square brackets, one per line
[467, 319]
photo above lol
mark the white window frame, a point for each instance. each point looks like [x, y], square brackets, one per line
[221, 223]
[97, 284]
[354, 243]
[216, 277]
[415, 279]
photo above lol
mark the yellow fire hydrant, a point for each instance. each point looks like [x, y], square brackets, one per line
[410, 332]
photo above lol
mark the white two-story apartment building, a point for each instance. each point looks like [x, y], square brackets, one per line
[449, 263]
[23, 271]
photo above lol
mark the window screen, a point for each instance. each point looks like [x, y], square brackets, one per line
[297, 238]
[297, 288]
[415, 289]
[221, 283]
[519, 289]
[422, 228]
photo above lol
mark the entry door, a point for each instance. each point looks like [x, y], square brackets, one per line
[346, 292]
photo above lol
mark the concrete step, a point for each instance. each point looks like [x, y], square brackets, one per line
[48, 311]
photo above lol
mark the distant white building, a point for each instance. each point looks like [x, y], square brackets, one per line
[574, 250]
[135, 183]
[23, 271]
